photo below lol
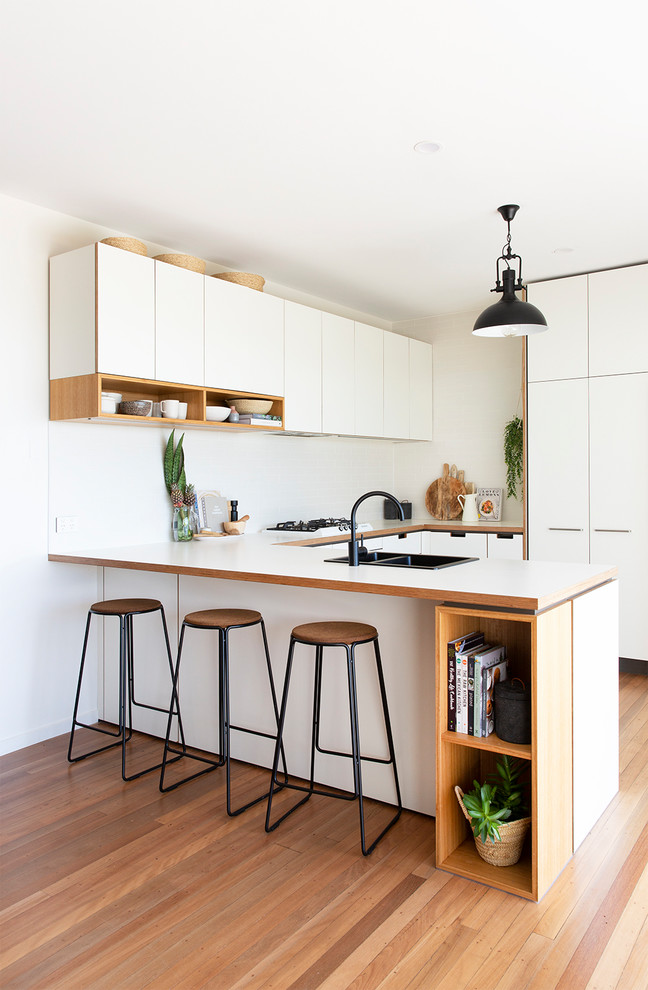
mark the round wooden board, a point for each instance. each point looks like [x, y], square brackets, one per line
[441, 498]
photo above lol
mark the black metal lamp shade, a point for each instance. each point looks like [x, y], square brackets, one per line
[510, 317]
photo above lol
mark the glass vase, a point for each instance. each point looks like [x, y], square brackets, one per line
[184, 523]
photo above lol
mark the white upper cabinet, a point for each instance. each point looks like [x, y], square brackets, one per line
[102, 313]
[396, 385]
[557, 476]
[179, 330]
[368, 381]
[560, 352]
[420, 390]
[243, 338]
[618, 321]
[302, 368]
[125, 313]
[338, 375]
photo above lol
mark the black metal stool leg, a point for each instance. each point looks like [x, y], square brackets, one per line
[179, 753]
[84, 725]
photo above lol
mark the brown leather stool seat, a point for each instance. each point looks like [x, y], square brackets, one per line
[124, 609]
[334, 633]
[347, 635]
[122, 606]
[222, 620]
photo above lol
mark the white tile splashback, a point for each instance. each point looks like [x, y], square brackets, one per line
[110, 478]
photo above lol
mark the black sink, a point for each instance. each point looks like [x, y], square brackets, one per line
[425, 561]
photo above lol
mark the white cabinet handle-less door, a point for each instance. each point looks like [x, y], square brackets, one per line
[557, 482]
[619, 482]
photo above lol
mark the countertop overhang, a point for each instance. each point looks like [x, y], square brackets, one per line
[525, 585]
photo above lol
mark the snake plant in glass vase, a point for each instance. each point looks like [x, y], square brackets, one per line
[183, 496]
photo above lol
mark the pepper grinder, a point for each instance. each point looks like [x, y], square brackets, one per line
[234, 510]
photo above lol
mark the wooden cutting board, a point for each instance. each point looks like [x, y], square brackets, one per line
[441, 497]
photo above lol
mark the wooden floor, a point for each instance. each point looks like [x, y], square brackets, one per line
[114, 885]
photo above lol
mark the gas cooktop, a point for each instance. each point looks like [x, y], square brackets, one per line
[319, 527]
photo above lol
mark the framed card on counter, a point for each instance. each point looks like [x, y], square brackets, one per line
[489, 503]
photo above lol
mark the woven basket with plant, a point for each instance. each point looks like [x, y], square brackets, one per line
[496, 812]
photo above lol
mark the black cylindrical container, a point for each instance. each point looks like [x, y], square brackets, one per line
[234, 510]
[513, 711]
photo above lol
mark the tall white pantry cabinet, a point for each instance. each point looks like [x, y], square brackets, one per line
[587, 439]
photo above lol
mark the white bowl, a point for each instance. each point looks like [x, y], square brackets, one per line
[117, 396]
[109, 405]
[217, 414]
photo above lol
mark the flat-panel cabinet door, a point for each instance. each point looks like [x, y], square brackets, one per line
[396, 385]
[505, 546]
[125, 313]
[618, 485]
[410, 543]
[618, 321]
[557, 477]
[561, 352]
[368, 380]
[243, 338]
[420, 389]
[338, 375]
[179, 325]
[302, 368]
[455, 544]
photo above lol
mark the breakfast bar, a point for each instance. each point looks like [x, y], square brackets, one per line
[558, 621]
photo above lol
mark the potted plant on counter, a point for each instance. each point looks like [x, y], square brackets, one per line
[183, 496]
[496, 811]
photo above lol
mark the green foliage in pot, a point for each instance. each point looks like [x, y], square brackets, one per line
[498, 800]
[174, 472]
[514, 455]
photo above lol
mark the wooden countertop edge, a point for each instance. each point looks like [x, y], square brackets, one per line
[444, 527]
[365, 587]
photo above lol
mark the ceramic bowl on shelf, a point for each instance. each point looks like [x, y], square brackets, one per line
[216, 414]
[108, 404]
[136, 407]
[245, 405]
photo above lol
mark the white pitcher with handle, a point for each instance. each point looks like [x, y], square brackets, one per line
[469, 506]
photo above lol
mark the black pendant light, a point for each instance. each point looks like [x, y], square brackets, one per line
[510, 317]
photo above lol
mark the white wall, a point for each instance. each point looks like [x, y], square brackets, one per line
[477, 390]
[110, 477]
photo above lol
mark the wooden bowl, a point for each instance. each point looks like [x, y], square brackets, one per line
[235, 528]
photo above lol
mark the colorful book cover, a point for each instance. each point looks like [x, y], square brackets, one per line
[462, 642]
[490, 677]
[462, 659]
[484, 658]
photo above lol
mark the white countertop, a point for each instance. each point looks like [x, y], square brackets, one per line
[528, 585]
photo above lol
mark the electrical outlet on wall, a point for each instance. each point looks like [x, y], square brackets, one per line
[67, 524]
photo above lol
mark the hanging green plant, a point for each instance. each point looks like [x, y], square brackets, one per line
[514, 456]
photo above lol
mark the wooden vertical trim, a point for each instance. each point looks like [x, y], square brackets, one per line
[96, 326]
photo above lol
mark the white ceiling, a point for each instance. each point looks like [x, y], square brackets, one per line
[276, 136]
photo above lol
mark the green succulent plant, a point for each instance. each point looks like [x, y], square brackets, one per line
[498, 800]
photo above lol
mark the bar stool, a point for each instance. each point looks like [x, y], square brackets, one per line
[223, 620]
[124, 609]
[347, 635]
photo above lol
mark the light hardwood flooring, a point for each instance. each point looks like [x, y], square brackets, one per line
[113, 885]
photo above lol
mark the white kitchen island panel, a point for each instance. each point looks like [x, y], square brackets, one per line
[406, 631]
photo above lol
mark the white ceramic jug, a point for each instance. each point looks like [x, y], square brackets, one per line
[469, 506]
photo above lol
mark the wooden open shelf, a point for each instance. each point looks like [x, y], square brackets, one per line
[79, 399]
[539, 651]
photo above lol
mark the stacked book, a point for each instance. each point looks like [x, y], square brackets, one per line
[474, 668]
[259, 419]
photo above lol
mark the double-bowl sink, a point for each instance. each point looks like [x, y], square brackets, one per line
[382, 558]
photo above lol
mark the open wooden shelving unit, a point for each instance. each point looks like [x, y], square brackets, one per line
[539, 649]
[79, 399]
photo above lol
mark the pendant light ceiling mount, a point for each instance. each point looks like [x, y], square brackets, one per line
[510, 317]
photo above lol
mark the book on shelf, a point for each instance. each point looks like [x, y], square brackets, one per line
[483, 659]
[466, 690]
[259, 419]
[455, 646]
[490, 676]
